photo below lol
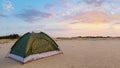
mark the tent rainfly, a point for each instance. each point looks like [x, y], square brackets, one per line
[32, 46]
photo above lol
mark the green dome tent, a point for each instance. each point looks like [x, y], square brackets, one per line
[32, 46]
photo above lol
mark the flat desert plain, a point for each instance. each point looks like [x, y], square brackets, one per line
[80, 53]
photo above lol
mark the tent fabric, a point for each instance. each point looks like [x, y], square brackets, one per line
[19, 47]
[31, 44]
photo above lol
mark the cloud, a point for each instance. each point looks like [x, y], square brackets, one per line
[104, 5]
[7, 5]
[89, 5]
[93, 16]
[34, 15]
[93, 11]
[1, 15]
[64, 3]
[49, 7]
[93, 2]
[6, 8]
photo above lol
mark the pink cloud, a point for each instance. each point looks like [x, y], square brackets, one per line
[93, 17]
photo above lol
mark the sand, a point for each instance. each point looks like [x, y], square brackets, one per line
[76, 54]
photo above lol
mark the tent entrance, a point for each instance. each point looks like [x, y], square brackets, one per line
[41, 45]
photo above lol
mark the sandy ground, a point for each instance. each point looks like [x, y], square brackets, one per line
[77, 54]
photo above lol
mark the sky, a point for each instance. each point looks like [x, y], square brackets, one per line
[60, 18]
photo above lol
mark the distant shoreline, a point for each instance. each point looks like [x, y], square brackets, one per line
[89, 38]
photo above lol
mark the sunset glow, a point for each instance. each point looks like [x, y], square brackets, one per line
[61, 17]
